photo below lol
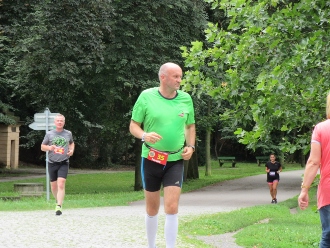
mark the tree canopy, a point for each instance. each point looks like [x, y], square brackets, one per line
[89, 60]
[270, 62]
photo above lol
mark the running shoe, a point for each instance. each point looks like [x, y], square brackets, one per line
[58, 210]
[273, 201]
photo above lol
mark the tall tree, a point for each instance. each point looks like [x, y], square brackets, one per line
[89, 61]
[273, 58]
[58, 52]
[207, 109]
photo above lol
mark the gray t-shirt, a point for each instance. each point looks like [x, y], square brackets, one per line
[62, 141]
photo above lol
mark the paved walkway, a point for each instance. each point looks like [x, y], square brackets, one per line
[123, 227]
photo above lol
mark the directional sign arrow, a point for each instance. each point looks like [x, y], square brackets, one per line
[40, 126]
[41, 117]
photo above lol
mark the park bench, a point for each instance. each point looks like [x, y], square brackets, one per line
[222, 160]
[262, 159]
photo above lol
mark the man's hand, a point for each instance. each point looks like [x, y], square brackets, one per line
[303, 199]
[187, 152]
[70, 153]
[52, 147]
[152, 137]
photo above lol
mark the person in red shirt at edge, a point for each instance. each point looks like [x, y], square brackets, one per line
[319, 159]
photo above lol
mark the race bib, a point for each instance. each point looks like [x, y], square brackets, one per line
[157, 156]
[272, 173]
[59, 150]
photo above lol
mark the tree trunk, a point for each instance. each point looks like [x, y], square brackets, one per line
[302, 159]
[208, 171]
[191, 167]
[208, 145]
[138, 178]
[194, 164]
[281, 158]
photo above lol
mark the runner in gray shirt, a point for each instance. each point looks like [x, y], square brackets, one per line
[60, 146]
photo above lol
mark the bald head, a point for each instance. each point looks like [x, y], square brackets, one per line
[163, 70]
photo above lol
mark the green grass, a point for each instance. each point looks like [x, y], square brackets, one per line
[283, 228]
[82, 191]
[10, 173]
[266, 226]
[117, 189]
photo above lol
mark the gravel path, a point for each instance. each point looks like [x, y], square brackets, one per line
[124, 226]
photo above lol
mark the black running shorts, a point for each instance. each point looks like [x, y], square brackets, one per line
[271, 179]
[154, 174]
[58, 169]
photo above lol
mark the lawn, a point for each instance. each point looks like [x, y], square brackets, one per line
[117, 189]
[282, 228]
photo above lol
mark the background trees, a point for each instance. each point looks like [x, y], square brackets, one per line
[262, 71]
[272, 67]
[89, 61]
[145, 34]
[56, 55]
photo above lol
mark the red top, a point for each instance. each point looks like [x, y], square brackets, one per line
[321, 135]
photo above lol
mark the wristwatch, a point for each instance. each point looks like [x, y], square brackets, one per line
[143, 135]
[193, 147]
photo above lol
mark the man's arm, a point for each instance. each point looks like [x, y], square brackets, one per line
[190, 134]
[313, 164]
[135, 129]
[71, 149]
[71, 146]
[311, 168]
[46, 148]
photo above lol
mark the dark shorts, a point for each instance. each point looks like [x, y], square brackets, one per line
[271, 179]
[58, 169]
[154, 174]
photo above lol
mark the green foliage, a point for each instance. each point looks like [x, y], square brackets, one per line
[56, 51]
[275, 222]
[271, 65]
[6, 120]
[89, 60]
[6, 116]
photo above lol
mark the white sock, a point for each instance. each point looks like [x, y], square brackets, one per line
[151, 228]
[171, 229]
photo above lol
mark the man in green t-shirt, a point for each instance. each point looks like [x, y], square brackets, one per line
[163, 118]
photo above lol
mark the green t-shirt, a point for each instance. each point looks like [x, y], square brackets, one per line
[167, 117]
